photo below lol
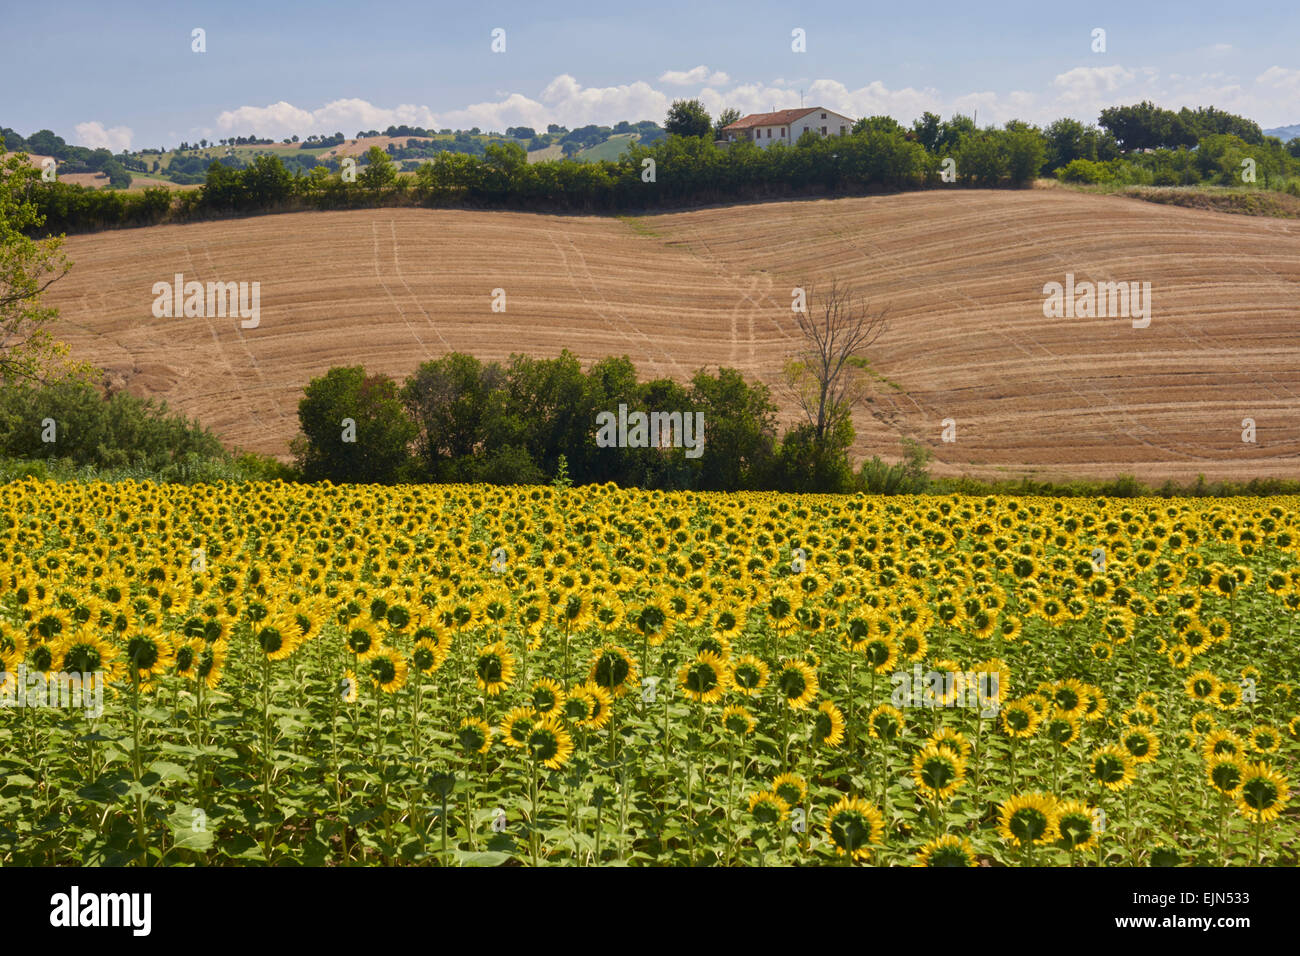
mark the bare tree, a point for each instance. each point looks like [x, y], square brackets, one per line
[830, 373]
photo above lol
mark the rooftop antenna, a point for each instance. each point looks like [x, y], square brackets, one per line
[801, 99]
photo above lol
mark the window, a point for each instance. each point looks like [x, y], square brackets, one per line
[823, 130]
[823, 116]
[841, 130]
[769, 132]
[783, 132]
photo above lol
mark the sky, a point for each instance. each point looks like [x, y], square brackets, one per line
[125, 75]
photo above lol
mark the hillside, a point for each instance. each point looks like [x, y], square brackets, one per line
[961, 272]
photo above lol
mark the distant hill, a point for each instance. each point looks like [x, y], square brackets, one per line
[1284, 133]
[187, 164]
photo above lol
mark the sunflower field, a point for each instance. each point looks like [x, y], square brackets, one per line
[468, 675]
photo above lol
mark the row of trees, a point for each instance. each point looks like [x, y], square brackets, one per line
[459, 419]
[528, 420]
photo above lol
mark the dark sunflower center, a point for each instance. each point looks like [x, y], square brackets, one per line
[489, 669]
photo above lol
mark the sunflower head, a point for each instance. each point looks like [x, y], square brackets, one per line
[828, 725]
[474, 736]
[947, 850]
[549, 743]
[854, 827]
[797, 683]
[1077, 826]
[612, 668]
[1029, 819]
[1263, 793]
[767, 808]
[705, 679]
[738, 721]
[938, 771]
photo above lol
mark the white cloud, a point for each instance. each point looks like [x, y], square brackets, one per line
[94, 135]
[1081, 92]
[698, 75]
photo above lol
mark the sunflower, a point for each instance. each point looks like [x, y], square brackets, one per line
[1069, 695]
[1029, 819]
[651, 619]
[549, 743]
[952, 740]
[728, 623]
[548, 697]
[612, 668]
[1076, 826]
[1224, 772]
[1262, 794]
[1219, 742]
[574, 612]
[854, 826]
[938, 771]
[1203, 722]
[767, 808]
[704, 680]
[749, 675]
[885, 722]
[474, 736]
[600, 703]
[1265, 739]
[578, 705]
[791, 788]
[1019, 719]
[149, 653]
[780, 608]
[1062, 728]
[387, 669]
[737, 720]
[1141, 745]
[188, 652]
[797, 683]
[1201, 686]
[361, 639]
[1112, 767]
[211, 663]
[83, 652]
[277, 636]
[494, 668]
[828, 725]
[947, 850]
[1227, 697]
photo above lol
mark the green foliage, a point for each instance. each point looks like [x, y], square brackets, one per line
[688, 118]
[981, 159]
[1026, 151]
[89, 429]
[355, 428]
[1083, 171]
[725, 119]
[906, 477]
[27, 268]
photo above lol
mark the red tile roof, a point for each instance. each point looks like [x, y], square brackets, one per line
[779, 118]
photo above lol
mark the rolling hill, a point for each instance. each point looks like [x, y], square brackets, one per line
[961, 272]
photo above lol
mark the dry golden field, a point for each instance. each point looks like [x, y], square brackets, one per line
[962, 273]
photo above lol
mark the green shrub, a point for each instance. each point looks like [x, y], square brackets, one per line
[1083, 171]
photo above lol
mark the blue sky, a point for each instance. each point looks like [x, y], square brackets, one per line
[124, 74]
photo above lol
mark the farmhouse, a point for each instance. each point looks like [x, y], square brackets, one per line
[786, 126]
